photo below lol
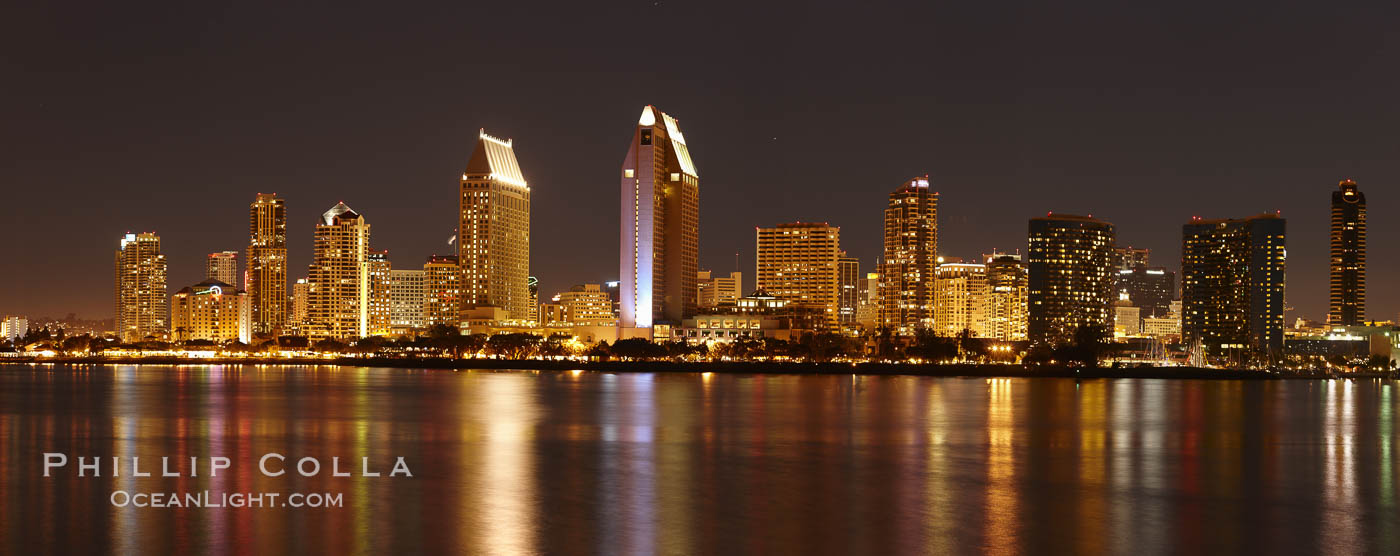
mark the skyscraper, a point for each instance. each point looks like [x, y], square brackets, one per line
[1232, 284]
[1150, 289]
[715, 291]
[797, 262]
[267, 263]
[407, 293]
[660, 240]
[141, 304]
[1071, 277]
[1128, 258]
[848, 291]
[379, 268]
[442, 290]
[301, 297]
[1006, 299]
[1348, 278]
[338, 304]
[493, 234]
[211, 310]
[910, 257]
[223, 266]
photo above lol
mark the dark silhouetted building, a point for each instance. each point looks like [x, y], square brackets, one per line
[1150, 289]
[1071, 277]
[1232, 284]
[1348, 280]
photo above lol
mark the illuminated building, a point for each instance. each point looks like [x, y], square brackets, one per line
[660, 239]
[267, 262]
[797, 262]
[407, 293]
[960, 299]
[338, 303]
[714, 291]
[301, 294]
[142, 309]
[13, 328]
[1148, 288]
[379, 268]
[442, 289]
[1127, 319]
[910, 257]
[211, 310]
[847, 292]
[1166, 329]
[868, 306]
[554, 314]
[222, 266]
[1071, 277]
[587, 305]
[1006, 297]
[1232, 283]
[534, 299]
[1347, 302]
[493, 240]
[1128, 258]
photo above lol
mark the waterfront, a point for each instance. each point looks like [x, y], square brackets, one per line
[520, 462]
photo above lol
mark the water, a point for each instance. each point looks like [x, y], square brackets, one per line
[523, 462]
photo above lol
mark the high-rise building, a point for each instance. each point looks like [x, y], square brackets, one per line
[442, 289]
[1006, 297]
[534, 299]
[1150, 289]
[660, 240]
[493, 239]
[1232, 284]
[338, 304]
[1347, 303]
[301, 296]
[1128, 258]
[1071, 278]
[223, 266]
[267, 262]
[211, 310]
[587, 305]
[868, 308]
[379, 268]
[142, 309]
[961, 293]
[848, 292]
[797, 262]
[12, 328]
[910, 257]
[713, 291]
[407, 293]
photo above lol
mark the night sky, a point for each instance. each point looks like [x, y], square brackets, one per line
[170, 116]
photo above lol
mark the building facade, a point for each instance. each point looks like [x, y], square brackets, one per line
[222, 266]
[848, 293]
[1128, 258]
[1071, 277]
[379, 269]
[1148, 288]
[141, 305]
[211, 310]
[267, 262]
[713, 291]
[910, 258]
[660, 239]
[1347, 302]
[1232, 284]
[338, 302]
[493, 233]
[301, 296]
[407, 293]
[1006, 297]
[587, 305]
[442, 288]
[961, 294]
[798, 263]
[13, 328]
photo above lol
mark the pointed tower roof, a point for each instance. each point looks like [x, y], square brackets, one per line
[650, 116]
[340, 209]
[496, 158]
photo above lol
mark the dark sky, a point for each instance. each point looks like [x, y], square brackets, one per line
[170, 116]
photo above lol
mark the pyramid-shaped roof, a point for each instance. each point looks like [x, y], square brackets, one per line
[496, 158]
[340, 209]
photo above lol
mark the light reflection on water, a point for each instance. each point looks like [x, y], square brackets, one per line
[520, 463]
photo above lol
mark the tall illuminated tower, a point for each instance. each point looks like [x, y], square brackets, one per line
[223, 266]
[267, 263]
[1232, 284]
[493, 239]
[1072, 275]
[660, 225]
[338, 303]
[1348, 278]
[141, 305]
[800, 262]
[910, 257]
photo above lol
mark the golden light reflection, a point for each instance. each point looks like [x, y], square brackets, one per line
[1002, 512]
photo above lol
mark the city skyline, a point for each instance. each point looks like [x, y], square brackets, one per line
[1126, 145]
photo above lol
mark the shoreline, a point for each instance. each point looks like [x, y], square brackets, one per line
[966, 370]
